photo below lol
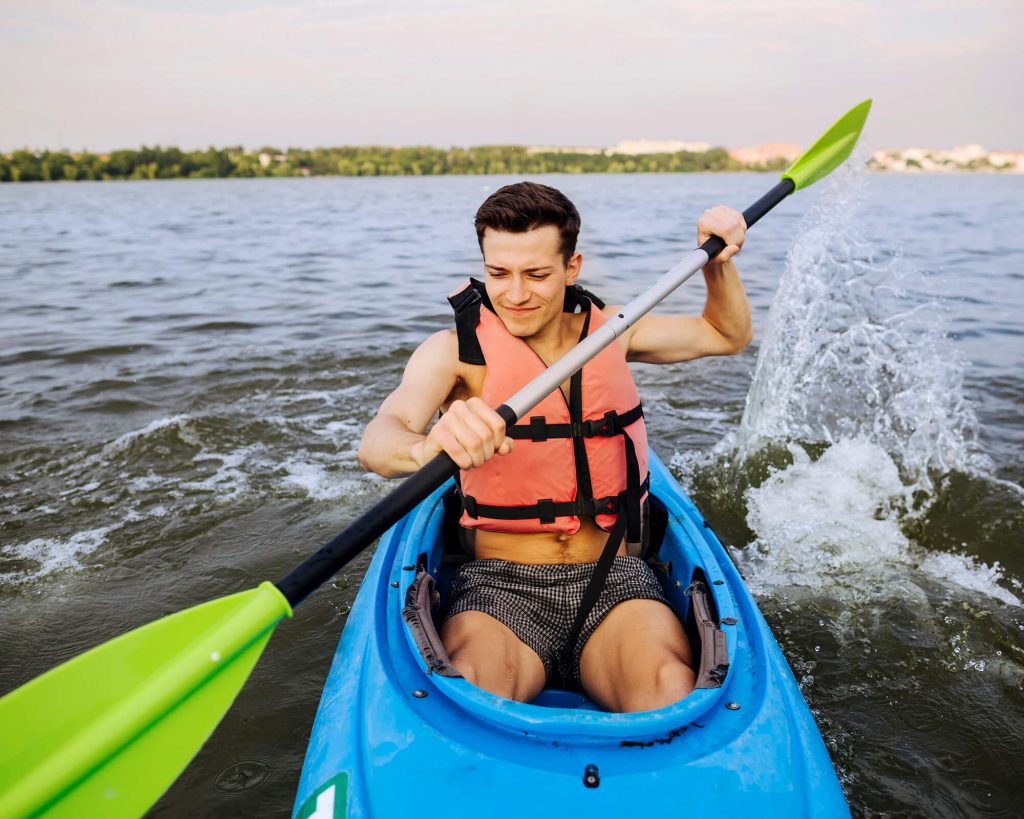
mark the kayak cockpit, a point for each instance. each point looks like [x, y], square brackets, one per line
[689, 576]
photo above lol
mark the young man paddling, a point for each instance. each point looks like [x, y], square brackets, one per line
[566, 485]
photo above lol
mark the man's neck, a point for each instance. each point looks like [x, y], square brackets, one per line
[552, 342]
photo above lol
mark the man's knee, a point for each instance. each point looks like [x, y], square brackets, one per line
[488, 655]
[671, 679]
[675, 678]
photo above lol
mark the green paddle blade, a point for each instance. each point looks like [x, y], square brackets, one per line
[831, 149]
[105, 734]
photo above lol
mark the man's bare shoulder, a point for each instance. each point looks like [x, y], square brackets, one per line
[441, 350]
[442, 342]
[438, 358]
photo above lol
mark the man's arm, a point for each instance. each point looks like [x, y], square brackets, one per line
[723, 328]
[394, 442]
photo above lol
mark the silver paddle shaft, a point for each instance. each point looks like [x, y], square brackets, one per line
[553, 377]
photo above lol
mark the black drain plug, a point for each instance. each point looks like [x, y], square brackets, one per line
[591, 778]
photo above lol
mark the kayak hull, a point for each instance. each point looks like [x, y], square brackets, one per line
[387, 731]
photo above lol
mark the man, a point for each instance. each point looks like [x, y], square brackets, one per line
[545, 502]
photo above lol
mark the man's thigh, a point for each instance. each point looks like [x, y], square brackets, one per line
[638, 657]
[488, 654]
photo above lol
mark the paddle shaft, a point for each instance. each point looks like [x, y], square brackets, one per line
[321, 566]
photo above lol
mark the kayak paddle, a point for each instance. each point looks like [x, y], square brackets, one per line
[106, 733]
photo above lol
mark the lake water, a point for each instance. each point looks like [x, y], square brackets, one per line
[186, 367]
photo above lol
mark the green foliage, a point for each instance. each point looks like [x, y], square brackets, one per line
[234, 161]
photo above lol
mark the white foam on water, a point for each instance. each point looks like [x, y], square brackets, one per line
[229, 481]
[84, 489]
[817, 518]
[144, 483]
[317, 481]
[835, 522]
[54, 554]
[969, 573]
[337, 397]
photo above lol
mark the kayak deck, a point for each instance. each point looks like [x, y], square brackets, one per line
[386, 729]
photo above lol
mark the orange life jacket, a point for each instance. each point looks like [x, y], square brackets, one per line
[585, 456]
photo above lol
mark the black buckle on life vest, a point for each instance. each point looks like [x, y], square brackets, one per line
[469, 504]
[601, 427]
[591, 507]
[546, 510]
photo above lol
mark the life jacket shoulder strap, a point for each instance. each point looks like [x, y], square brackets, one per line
[466, 304]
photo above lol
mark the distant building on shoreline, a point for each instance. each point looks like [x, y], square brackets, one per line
[763, 154]
[638, 147]
[627, 147]
[939, 160]
[564, 149]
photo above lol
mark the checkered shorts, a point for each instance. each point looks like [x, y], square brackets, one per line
[538, 602]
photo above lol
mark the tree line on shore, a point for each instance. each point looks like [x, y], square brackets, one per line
[173, 163]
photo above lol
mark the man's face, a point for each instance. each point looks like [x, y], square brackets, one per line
[526, 277]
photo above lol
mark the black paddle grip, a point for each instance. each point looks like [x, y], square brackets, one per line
[716, 244]
[330, 558]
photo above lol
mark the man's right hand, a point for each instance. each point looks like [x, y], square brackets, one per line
[470, 432]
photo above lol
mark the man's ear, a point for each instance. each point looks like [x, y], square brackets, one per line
[572, 269]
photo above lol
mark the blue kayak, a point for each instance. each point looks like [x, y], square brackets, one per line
[396, 734]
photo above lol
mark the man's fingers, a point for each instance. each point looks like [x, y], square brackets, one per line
[470, 432]
[727, 253]
[494, 422]
[442, 439]
[473, 433]
[724, 222]
[478, 429]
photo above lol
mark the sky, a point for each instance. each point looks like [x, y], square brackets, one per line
[103, 74]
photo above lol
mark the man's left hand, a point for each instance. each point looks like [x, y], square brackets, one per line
[725, 222]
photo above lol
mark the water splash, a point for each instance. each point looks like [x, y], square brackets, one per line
[857, 410]
[854, 349]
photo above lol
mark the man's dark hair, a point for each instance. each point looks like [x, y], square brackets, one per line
[526, 205]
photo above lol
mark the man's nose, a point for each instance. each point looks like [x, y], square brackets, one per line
[517, 291]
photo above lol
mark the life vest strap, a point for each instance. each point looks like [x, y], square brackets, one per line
[596, 584]
[466, 304]
[610, 425]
